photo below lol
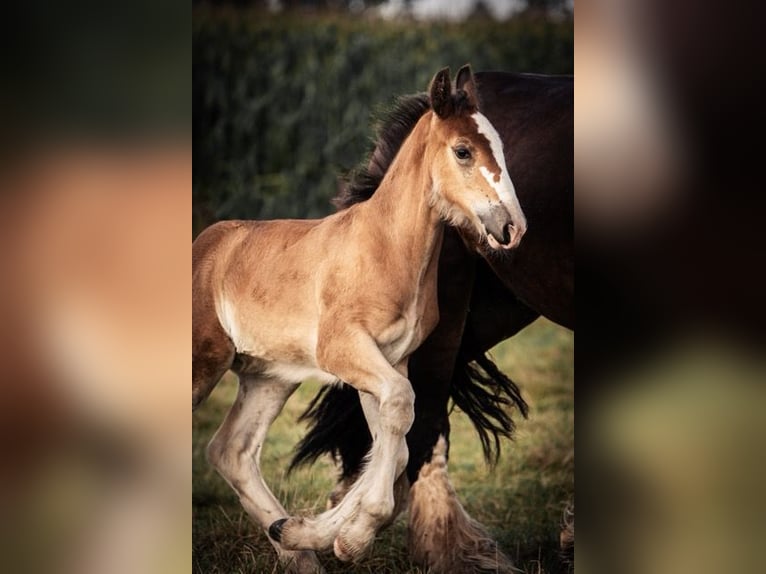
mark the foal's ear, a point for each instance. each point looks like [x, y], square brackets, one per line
[441, 94]
[464, 82]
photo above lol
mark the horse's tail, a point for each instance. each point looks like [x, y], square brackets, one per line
[484, 393]
[337, 425]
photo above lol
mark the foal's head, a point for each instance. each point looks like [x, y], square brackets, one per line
[472, 186]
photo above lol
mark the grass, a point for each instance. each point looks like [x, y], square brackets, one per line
[520, 501]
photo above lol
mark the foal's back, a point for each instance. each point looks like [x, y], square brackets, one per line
[229, 259]
[261, 282]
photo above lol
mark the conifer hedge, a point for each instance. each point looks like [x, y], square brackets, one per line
[283, 104]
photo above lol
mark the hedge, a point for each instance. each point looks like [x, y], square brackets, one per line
[282, 105]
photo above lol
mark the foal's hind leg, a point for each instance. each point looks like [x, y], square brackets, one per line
[236, 450]
[212, 352]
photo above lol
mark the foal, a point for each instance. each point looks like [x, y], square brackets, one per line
[345, 298]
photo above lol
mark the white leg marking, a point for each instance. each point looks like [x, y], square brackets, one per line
[350, 527]
[378, 501]
[235, 451]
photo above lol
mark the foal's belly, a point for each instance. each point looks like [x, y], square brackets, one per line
[298, 373]
[283, 347]
[272, 345]
[249, 365]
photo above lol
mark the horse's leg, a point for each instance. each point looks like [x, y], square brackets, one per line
[442, 536]
[402, 484]
[567, 537]
[371, 410]
[356, 359]
[362, 525]
[235, 451]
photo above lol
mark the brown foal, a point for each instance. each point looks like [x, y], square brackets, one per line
[345, 298]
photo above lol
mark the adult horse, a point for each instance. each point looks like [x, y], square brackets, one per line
[280, 301]
[484, 298]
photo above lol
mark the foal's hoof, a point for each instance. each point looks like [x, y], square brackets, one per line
[349, 549]
[342, 551]
[275, 530]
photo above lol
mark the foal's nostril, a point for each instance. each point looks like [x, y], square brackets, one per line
[498, 224]
[502, 233]
[507, 233]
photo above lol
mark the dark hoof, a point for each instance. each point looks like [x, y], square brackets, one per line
[275, 530]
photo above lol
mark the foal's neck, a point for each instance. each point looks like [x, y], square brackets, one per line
[401, 208]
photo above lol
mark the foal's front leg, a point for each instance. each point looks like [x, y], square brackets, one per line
[350, 527]
[361, 527]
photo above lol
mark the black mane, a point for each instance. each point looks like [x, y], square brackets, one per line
[391, 130]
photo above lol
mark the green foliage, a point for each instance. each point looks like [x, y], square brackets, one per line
[282, 105]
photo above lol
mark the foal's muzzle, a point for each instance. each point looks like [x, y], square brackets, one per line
[503, 230]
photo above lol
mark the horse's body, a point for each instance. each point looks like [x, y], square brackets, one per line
[486, 300]
[349, 298]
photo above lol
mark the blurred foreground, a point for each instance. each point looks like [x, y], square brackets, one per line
[670, 358]
[94, 359]
[95, 211]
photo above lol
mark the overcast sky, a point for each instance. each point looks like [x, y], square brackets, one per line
[452, 9]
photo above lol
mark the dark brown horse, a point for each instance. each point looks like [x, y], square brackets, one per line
[486, 299]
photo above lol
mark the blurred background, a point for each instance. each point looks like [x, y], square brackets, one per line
[95, 211]
[670, 355]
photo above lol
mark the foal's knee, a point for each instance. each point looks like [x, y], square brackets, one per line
[397, 408]
[380, 510]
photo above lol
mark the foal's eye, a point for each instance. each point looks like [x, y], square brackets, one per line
[462, 153]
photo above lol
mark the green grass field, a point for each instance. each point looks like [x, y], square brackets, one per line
[520, 501]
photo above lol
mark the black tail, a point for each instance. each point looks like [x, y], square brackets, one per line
[337, 425]
[483, 393]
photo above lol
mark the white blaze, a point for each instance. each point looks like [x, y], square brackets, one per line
[495, 182]
[489, 132]
[503, 185]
